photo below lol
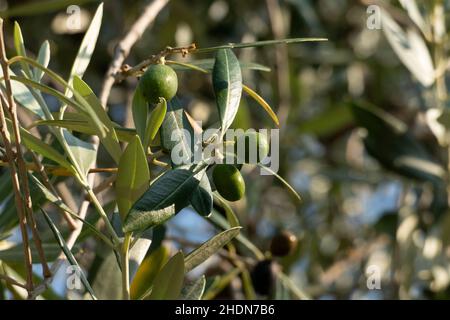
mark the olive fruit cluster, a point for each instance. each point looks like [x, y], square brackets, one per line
[158, 81]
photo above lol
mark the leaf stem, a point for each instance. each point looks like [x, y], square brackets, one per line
[126, 266]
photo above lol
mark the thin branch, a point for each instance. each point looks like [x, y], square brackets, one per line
[11, 281]
[127, 71]
[23, 174]
[16, 186]
[123, 48]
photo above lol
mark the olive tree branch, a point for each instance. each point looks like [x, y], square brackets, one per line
[123, 48]
[18, 197]
[127, 71]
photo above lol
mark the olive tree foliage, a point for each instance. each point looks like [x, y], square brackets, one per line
[125, 231]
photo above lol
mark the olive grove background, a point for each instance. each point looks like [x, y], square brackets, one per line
[369, 226]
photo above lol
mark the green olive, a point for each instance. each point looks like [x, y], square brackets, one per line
[254, 145]
[283, 244]
[229, 182]
[159, 81]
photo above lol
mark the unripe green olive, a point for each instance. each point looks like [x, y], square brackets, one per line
[263, 277]
[229, 182]
[283, 244]
[159, 81]
[256, 147]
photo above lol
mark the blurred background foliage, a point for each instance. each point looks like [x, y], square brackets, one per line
[361, 207]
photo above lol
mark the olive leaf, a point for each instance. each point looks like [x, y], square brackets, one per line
[389, 141]
[20, 48]
[227, 82]
[43, 59]
[133, 176]
[80, 124]
[147, 272]
[110, 140]
[40, 147]
[194, 290]
[176, 132]
[202, 199]
[23, 95]
[70, 257]
[206, 65]
[169, 281]
[410, 48]
[154, 122]
[165, 197]
[87, 46]
[259, 44]
[209, 248]
[84, 153]
[139, 111]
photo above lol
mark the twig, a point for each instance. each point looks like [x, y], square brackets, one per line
[23, 174]
[11, 281]
[15, 181]
[127, 71]
[125, 45]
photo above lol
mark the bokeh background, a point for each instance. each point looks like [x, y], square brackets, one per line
[355, 213]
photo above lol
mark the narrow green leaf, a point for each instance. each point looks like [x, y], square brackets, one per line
[202, 199]
[220, 283]
[262, 103]
[23, 95]
[147, 272]
[87, 46]
[169, 281]
[219, 221]
[110, 140]
[43, 59]
[209, 248]
[206, 65]
[49, 196]
[286, 184]
[84, 153]
[107, 281]
[389, 141]
[258, 44]
[154, 122]
[227, 82]
[194, 290]
[139, 110]
[133, 176]
[42, 148]
[176, 131]
[15, 253]
[82, 107]
[68, 253]
[167, 196]
[231, 216]
[20, 47]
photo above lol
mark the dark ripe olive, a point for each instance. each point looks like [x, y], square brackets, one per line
[263, 277]
[159, 81]
[229, 182]
[283, 244]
